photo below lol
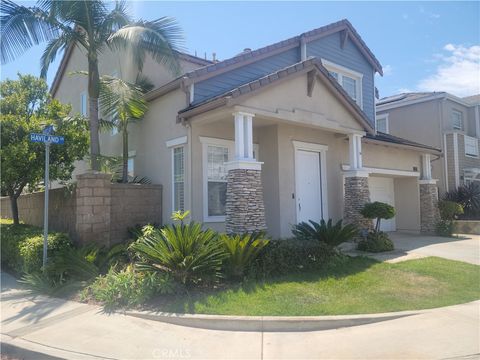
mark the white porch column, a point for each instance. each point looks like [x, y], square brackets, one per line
[355, 147]
[426, 167]
[245, 210]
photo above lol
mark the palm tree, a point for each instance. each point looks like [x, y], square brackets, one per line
[91, 25]
[123, 102]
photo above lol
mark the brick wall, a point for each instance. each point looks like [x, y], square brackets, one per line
[96, 211]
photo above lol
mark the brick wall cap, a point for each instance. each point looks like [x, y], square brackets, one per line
[94, 175]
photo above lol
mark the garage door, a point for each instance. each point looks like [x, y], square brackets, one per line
[381, 189]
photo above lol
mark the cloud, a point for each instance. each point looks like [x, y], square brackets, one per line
[430, 15]
[387, 70]
[458, 71]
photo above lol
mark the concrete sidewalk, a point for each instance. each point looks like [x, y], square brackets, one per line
[61, 329]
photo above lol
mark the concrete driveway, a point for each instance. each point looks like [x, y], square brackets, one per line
[413, 246]
[45, 328]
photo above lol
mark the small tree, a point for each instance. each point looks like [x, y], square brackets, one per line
[26, 107]
[378, 210]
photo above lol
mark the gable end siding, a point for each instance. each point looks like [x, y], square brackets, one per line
[328, 48]
[227, 81]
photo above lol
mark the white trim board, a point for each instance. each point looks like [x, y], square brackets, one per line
[177, 141]
[393, 172]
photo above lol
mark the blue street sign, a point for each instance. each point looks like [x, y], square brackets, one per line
[51, 139]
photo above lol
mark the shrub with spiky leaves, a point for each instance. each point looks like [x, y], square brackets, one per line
[186, 251]
[241, 250]
[325, 232]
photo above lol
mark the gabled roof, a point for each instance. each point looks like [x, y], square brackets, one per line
[403, 97]
[68, 53]
[250, 56]
[473, 100]
[253, 86]
[383, 137]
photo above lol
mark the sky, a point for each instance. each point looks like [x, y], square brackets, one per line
[422, 46]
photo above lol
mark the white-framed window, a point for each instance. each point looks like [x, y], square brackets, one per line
[381, 123]
[131, 166]
[457, 120]
[471, 146]
[216, 152]
[350, 80]
[178, 183]
[83, 103]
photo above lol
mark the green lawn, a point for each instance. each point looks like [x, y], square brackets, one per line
[354, 286]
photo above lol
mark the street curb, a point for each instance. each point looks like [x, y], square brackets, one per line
[268, 323]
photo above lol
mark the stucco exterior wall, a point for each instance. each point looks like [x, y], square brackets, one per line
[387, 157]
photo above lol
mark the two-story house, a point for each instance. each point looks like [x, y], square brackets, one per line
[271, 137]
[440, 120]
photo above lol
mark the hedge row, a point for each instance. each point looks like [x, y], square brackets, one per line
[22, 246]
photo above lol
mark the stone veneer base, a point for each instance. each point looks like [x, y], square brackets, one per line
[357, 194]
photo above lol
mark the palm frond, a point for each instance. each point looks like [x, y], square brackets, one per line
[159, 38]
[22, 27]
[115, 20]
[54, 46]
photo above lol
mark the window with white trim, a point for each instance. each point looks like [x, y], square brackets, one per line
[178, 191]
[83, 103]
[471, 146]
[381, 123]
[216, 152]
[457, 120]
[350, 80]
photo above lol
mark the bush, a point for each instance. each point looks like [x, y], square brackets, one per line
[126, 288]
[376, 241]
[187, 252]
[449, 210]
[287, 256]
[445, 228]
[469, 197]
[325, 232]
[22, 246]
[241, 251]
[378, 210]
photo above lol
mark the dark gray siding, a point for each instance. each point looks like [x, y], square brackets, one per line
[224, 82]
[328, 48]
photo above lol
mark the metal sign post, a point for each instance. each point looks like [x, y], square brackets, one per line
[47, 138]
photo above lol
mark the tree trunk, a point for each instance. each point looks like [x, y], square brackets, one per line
[93, 93]
[14, 206]
[125, 154]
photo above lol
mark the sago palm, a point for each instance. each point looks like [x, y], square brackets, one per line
[94, 27]
[123, 102]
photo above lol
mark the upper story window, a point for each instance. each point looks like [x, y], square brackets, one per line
[83, 103]
[457, 120]
[471, 146]
[350, 80]
[381, 123]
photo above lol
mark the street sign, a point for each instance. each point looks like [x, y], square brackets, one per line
[47, 138]
[51, 139]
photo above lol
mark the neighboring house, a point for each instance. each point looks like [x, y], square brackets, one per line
[440, 120]
[271, 137]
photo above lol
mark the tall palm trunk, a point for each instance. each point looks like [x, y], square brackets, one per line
[125, 154]
[93, 94]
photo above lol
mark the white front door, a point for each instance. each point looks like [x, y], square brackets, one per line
[381, 189]
[308, 186]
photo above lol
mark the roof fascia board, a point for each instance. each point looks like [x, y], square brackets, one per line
[165, 89]
[388, 106]
[403, 146]
[61, 69]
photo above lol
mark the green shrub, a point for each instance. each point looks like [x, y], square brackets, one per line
[241, 250]
[22, 246]
[449, 210]
[325, 232]
[469, 197]
[445, 228]
[127, 287]
[378, 210]
[376, 241]
[187, 252]
[281, 257]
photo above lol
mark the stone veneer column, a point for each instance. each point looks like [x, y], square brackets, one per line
[93, 204]
[357, 195]
[429, 214]
[245, 209]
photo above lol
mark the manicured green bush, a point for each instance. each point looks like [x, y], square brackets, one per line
[468, 196]
[325, 232]
[449, 211]
[22, 246]
[186, 251]
[376, 241]
[287, 256]
[378, 210]
[241, 250]
[127, 287]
